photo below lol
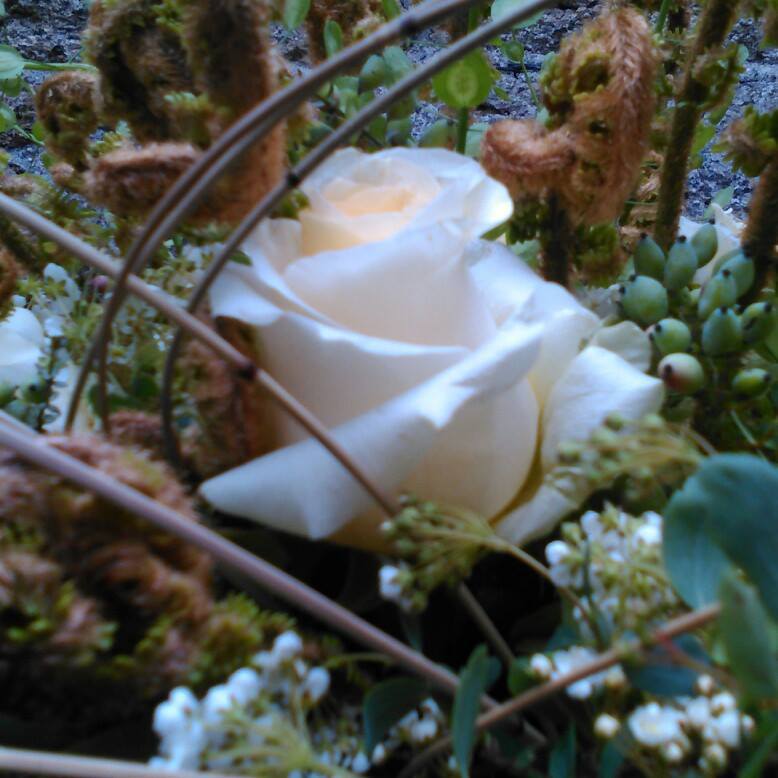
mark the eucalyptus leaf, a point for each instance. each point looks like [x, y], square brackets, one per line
[466, 83]
[398, 62]
[501, 8]
[747, 640]
[661, 674]
[386, 703]
[693, 560]
[475, 679]
[767, 738]
[561, 762]
[295, 12]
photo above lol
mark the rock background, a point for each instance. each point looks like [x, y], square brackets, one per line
[49, 30]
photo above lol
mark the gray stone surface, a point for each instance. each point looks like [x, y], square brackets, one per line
[49, 30]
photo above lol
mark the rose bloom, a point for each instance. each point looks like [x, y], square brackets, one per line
[441, 362]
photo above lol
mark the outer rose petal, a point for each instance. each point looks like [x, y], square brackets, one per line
[628, 341]
[303, 489]
[597, 383]
[512, 290]
[21, 337]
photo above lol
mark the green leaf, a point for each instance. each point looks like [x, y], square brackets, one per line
[514, 51]
[295, 12]
[2, 9]
[747, 640]
[501, 8]
[398, 63]
[703, 135]
[475, 679]
[561, 762]
[386, 703]
[333, 37]
[767, 738]
[7, 117]
[723, 198]
[611, 760]
[466, 83]
[661, 674]
[11, 63]
[391, 9]
[475, 135]
[692, 559]
[520, 678]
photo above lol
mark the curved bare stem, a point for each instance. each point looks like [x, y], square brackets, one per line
[678, 626]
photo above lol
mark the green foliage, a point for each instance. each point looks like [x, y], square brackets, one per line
[561, 763]
[295, 12]
[386, 703]
[466, 83]
[752, 652]
[477, 676]
[725, 513]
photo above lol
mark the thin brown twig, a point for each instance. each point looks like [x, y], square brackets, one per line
[39, 762]
[677, 626]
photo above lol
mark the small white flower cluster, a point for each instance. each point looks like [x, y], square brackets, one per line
[613, 561]
[417, 728]
[393, 585]
[707, 727]
[559, 663]
[197, 734]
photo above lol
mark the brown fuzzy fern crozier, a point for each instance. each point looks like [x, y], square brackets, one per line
[600, 94]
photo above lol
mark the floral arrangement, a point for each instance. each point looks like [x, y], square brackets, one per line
[333, 445]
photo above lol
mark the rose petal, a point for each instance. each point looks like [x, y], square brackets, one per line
[415, 288]
[628, 341]
[597, 384]
[303, 489]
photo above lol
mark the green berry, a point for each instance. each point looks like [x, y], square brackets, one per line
[742, 269]
[649, 259]
[644, 300]
[720, 291]
[722, 333]
[681, 373]
[681, 265]
[724, 258]
[750, 382]
[758, 321]
[671, 336]
[705, 243]
[374, 73]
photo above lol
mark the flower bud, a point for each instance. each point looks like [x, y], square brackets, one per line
[681, 265]
[722, 333]
[758, 321]
[645, 300]
[671, 336]
[649, 259]
[720, 291]
[681, 373]
[606, 726]
[742, 269]
[750, 382]
[705, 243]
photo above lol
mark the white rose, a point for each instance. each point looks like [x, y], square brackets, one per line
[441, 362]
[21, 341]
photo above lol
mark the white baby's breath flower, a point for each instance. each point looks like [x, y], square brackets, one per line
[721, 702]
[287, 646]
[655, 725]
[556, 552]
[470, 365]
[360, 764]
[423, 730]
[725, 729]
[715, 755]
[541, 666]
[705, 685]
[673, 753]
[316, 683]
[606, 726]
[244, 685]
[698, 712]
